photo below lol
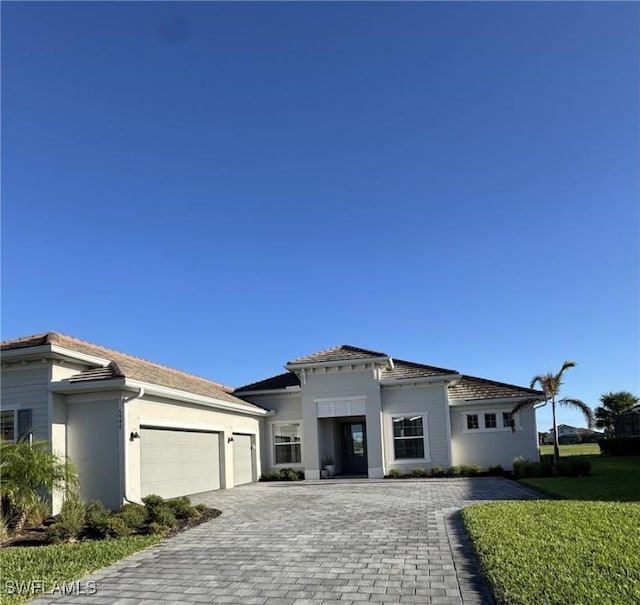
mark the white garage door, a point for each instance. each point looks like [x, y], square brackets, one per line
[177, 463]
[242, 459]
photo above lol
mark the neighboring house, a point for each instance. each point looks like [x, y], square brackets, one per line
[371, 413]
[628, 423]
[567, 434]
[131, 426]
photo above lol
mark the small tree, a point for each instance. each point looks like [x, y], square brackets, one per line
[613, 404]
[28, 468]
[551, 384]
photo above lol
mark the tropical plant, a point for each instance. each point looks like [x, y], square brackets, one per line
[27, 468]
[613, 404]
[551, 384]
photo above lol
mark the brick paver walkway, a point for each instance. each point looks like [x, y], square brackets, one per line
[315, 543]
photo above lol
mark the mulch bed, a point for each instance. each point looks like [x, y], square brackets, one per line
[37, 536]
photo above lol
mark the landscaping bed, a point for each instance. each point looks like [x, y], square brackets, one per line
[558, 552]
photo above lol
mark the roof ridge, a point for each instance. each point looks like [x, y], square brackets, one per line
[423, 365]
[59, 338]
[335, 349]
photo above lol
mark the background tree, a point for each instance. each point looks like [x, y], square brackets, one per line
[27, 468]
[551, 384]
[613, 404]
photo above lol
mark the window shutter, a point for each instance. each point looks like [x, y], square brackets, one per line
[25, 427]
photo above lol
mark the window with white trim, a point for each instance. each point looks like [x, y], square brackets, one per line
[15, 424]
[286, 443]
[472, 422]
[408, 437]
[489, 420]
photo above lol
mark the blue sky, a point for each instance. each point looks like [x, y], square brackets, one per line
[222, 187]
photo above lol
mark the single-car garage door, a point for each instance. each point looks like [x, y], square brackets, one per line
[177, 463]
[242, 459]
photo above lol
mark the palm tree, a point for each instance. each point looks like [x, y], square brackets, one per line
[550, 384]
[613, 404]
[28, 468]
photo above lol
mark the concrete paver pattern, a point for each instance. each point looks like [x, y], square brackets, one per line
[314, 543]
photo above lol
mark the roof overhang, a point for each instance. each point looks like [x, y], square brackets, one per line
[495, 400]
[126, 384]
[386, 360]
[51, 352]
[438, 379]
[292, 389]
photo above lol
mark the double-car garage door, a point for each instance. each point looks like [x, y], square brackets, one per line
[177, 462]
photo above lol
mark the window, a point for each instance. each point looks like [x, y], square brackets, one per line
[14, 424]
[472, 422]
[286, 443]
[490, 421]
[507, 420]
[408, 437]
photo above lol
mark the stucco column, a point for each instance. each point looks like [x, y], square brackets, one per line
[310, 452]
[375, 440]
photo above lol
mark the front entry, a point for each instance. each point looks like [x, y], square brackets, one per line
[354, 448]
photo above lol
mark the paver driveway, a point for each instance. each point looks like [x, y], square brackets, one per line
[324, 542]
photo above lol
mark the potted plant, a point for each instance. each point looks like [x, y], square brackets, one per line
[329, 466]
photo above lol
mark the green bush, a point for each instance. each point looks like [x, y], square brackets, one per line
[629, 446]
[437, 471]
[201, 508]
[182, 508]
[470, 470]
[134, 515]
[395, 473]
[116, 527]
[284, 474]
[523, 468]
[453, 471]
[38, 512]
[420, 472]
[579, 467]
[164, 516]
[495, 470]
[97, 521]
[155, 529]
[70, 521]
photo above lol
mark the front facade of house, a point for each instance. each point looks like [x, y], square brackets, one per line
[131, 427]
[368, 414]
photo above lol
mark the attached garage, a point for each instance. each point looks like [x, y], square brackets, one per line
[177, 462]
[242, 459]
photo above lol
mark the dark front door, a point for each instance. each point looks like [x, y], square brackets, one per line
[354, 448]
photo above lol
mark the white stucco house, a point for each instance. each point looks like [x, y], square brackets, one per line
[134, 427]
[371, 413]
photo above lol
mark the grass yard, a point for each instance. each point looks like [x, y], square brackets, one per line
[612, 478]
[56, 564]
[559, 552]
[578, 449]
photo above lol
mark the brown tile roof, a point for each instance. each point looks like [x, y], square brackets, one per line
[340, 353]
[281, 381]
[410, 369]
[123, 365]
[471, 387]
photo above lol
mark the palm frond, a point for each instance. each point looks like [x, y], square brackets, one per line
[536, 380]
[582, 406]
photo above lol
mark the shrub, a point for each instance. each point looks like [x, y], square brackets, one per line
[162, 515]
[629, 446]
[182, 509]
[70, 522]
[523, 468]
[154, 528]
[437, 471]
[116, 527]
[37, 512]
[97, 520]
[470, 470]
[396, 473]
[201, 508]
[4, 531]
[453, 471]
[134, 515]
[579, 467]
[420, 472]
[495, 470]
[284, 474]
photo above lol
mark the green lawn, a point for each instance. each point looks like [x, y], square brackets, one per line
[582, 549]
[558, 552]
[579, 449]
[57, 564]
[612, 478]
